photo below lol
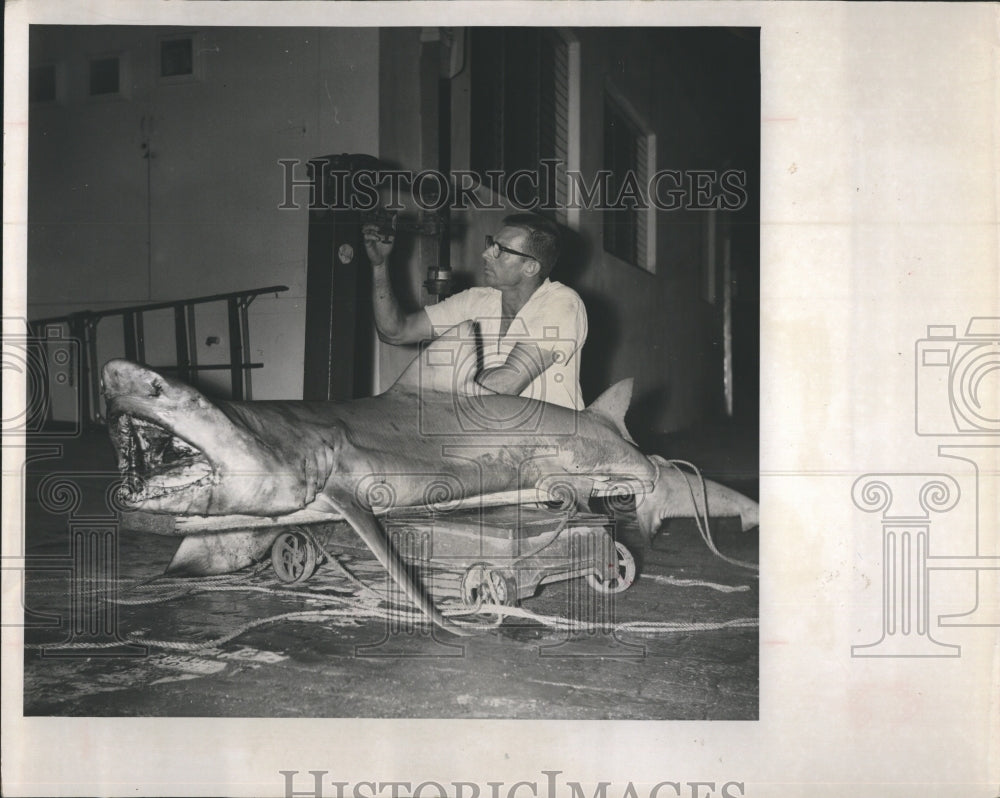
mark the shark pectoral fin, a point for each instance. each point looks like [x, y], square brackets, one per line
[363, 521]
[220, 552]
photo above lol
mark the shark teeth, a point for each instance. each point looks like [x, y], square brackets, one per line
[154, 461]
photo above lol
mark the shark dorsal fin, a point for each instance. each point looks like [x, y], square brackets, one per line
[612, 405]
[448, 364]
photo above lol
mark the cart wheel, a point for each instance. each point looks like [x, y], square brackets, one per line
[625, 577]
[482, 584]
[293, 557]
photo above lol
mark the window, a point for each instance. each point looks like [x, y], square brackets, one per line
[42, 83]
[176, 57]
[628, 228]
[521, 108]
[180, 57]
[105, 75]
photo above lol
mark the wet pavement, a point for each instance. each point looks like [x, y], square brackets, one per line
[250, 646]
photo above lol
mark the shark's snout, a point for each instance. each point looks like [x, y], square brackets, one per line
[161, 465]
[123, 377]
[180, 452]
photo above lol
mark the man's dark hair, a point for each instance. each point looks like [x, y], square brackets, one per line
[542, 241]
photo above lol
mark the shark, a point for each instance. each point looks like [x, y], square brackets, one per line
[230, 474]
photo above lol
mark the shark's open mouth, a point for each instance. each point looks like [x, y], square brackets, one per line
[154, 461]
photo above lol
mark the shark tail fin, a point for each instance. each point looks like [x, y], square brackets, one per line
[676, 495]
[612, 406]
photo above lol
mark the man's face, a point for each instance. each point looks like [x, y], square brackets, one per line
[506, 270]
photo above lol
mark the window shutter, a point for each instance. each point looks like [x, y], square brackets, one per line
[520, 107]
[560, 105]
[641, 218]
[626, 153]
[486, 63]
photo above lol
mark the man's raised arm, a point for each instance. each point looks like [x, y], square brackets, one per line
[393, 325]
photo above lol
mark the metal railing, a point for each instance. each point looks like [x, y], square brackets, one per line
[83, 328]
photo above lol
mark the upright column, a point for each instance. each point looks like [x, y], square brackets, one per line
[906, 502]
[93, 625]
[986, 611]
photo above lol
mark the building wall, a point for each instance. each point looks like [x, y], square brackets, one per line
[655, 327]
[109, 227]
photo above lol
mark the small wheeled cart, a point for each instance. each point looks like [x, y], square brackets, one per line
[492, 555]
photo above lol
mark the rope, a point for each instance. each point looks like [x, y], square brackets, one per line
[358, 609]
[355, 610]
[180, 586]
[337, 564]
[180, 645]
[701, 513]
[354, 614]
[672, 580]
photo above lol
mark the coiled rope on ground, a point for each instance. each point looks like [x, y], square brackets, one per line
[356, 609]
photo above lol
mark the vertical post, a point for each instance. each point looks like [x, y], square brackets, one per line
[235, 349]
[727, 322]
[83, 327]
[433, 136]
[245, 371]
[140, 338]
[905, 549]
[78, 330]
[318, 349]
[192, 344]
[181, 341]
[129, 331]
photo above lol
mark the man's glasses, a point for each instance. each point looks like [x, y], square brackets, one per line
[495, 248]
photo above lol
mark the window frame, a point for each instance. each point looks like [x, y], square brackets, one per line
[645, 166]
[59, 84]
[124, 77]
[566, 136]
[197, 61]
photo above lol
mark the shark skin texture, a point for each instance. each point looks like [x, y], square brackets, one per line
[434, 439]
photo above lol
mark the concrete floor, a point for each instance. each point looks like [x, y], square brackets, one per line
[351, 666]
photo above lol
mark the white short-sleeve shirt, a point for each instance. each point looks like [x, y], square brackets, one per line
[554, 318]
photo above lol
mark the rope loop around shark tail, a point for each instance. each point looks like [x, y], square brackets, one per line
[662, 502]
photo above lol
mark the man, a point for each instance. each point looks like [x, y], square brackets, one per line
[532, 328]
